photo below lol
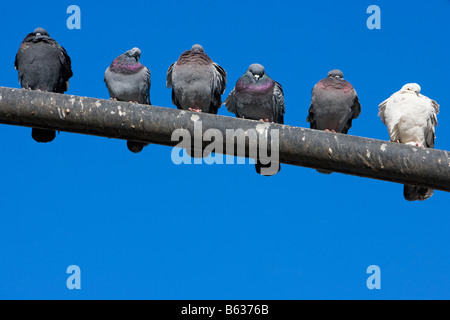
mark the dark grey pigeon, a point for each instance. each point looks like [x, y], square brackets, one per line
[334, 104]
[256, 96]
[43, 65]
[128, 80]
[197, 82]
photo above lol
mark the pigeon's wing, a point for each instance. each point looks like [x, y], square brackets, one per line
[112, 84]
[66, 64]
[394, 134]
[145, 84]
[278, 100]
[230, 102]
[430, 132]
[105, 77]
[169, 75]
[431, 124]
[19, 55]
[382, 110]
[169, 85]
[435, 106]
[15, 61]
[355, 112]
[218, 87]
[219, 80]
[311, 117]
[356, 108]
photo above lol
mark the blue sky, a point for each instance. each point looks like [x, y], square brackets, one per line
[140, 227]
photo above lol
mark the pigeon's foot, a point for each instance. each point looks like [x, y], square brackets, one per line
[327, 130]
[419, 145]
[195, 110]
[114, 99]
[264, 120]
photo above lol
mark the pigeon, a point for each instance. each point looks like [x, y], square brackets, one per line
[256, 96]
[128, 80]
[334, 104]
[411, 119]
[43, 65]
[197, 82]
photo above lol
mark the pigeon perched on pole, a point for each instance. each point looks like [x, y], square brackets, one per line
[43, 65]
[334, 104]
[256, 96]
[128, 80]
[197, 83]
[411, 119]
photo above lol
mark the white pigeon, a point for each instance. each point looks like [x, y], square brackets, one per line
[411, 119]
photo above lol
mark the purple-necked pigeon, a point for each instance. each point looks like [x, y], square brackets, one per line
[256, 96]
[128, 80]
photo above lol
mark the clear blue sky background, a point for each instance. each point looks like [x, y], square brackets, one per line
[139, 226]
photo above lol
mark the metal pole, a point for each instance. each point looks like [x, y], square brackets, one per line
[347, 154]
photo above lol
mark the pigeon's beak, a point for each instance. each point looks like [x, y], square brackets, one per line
[136, 56]
[38, 34]
[135, 53]
[256, 77]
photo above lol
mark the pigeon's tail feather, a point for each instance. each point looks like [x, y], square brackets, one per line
[324, 171]
[412, 193]
[44, 136]
[136, 147]
[266, 169]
